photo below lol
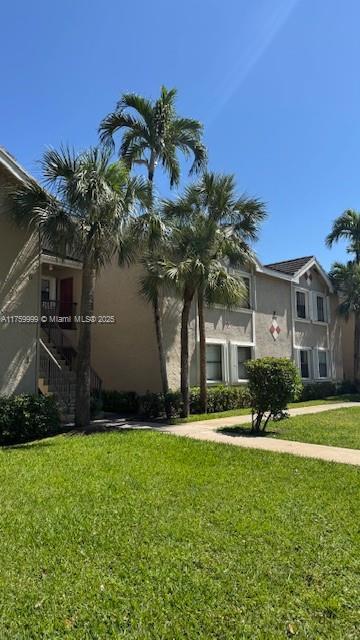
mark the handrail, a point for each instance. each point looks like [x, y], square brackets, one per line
[68, 352]
[49, 354]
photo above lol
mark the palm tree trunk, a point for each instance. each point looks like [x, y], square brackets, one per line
[188, 296]
[82, 398]
[161, 350]
[151, 166]
[157, 314]
[357, 349]
[202, 348]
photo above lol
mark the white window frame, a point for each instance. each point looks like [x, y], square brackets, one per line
[298, 361]
[234, 359]
[320, 294]
[307, 305]
[317, 364]
[224, 360]
[250, 278]
[52, 286]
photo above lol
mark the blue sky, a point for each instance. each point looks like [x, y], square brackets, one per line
[276, 83]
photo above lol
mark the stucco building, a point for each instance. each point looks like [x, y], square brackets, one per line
[291, 311]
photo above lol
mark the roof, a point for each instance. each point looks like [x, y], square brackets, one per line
[8, 161]
[290, 267]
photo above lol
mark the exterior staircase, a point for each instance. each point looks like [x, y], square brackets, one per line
[57, 370]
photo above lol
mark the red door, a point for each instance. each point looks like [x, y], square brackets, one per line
[66, 297]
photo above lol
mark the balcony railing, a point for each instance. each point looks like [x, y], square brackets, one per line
[58, 312]
[58, 339]
[49, 249]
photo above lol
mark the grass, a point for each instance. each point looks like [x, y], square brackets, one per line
[139, 535]
[196, 417]
[339, 428]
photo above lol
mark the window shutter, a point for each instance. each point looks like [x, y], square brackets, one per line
[316, 364]
[233, 363]
[224, 363]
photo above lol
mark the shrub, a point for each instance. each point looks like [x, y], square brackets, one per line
[152, 405]
[318, 390]
[27, 417]
[221, 398]
[120, 401]
[346, 387]
[273, 383]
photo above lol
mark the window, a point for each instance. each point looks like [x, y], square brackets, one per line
[320, 308]
[243, 354]
[301, 304]
[45, 289]
[323, 364]
[304, 363]
[214, 364]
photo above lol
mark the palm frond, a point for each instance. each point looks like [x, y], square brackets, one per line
[112, 123]
[141, 105]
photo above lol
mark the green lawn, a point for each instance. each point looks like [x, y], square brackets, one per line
[245, 411]
[340, 428]
[140, 535]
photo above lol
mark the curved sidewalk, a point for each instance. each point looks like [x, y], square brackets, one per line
[207, 430]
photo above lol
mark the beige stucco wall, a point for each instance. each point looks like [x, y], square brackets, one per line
[124, 354]
[19, 295]
[273, 296]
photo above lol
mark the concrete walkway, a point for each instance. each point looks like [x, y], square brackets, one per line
[207, 430]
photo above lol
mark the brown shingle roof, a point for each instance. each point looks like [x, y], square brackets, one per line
[290, 267]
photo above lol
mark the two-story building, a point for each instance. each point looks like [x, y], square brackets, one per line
[290, 311]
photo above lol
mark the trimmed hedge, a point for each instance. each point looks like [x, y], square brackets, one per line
[27, 417]
[320, 390]
[120, 401]
[152, 405]
[220, 398]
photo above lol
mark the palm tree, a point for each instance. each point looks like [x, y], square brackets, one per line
[347, 227]
[212, 233]
[346, 280]
[153, 133]
[346, 277]
[82, 210]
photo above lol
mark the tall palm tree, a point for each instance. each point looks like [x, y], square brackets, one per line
[82, 209]
[346, 280]
[345, 276]
[153, 133]
[212, 233]
[347, 227]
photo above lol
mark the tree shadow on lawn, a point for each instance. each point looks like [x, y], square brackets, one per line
[246, 433]
[109, 425]
[119, 425]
